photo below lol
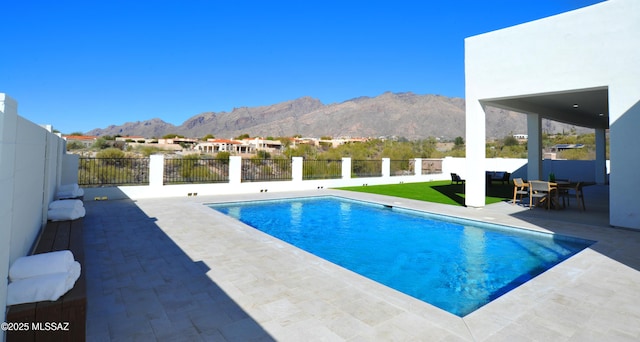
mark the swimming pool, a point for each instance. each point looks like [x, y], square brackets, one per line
[457, 265]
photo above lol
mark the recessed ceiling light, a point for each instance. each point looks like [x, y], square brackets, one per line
[575, 105]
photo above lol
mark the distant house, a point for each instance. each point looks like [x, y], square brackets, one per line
[562, 147]
[223, 145]
[333, 142]
[260, 144]
[178, 140]
[134, 138]
[521, 136]
[85, 140]
[342, 141]
[305, 141]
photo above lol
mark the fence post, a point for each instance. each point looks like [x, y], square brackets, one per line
[346, 168]
[417, 166]
[156, 170]
[296, 169]
[386, 168]
[235, 170]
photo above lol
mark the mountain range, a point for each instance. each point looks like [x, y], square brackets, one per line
[407, 115]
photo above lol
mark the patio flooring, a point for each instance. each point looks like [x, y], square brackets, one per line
[174, 269]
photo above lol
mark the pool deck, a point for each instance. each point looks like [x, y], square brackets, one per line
[174, 269]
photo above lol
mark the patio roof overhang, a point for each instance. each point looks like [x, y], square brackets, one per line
[582, 107]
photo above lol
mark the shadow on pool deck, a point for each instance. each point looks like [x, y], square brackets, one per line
[595, 217]
[142, 286]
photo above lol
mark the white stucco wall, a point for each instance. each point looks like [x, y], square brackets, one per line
[30, 168]
[596, 46]
[8, 123]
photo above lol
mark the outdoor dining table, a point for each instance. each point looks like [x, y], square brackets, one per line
[562, 188]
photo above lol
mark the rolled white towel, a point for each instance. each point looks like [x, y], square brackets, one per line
[41, 264]
[69, 191]
[64, 214]
[45, 287]
[68, 187]
[69, 194]
[72, 203]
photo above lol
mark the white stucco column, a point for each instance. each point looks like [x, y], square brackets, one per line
[156, 170]
[624, 116]
[475, 155]
[601, 156]
[346, 168]
[235, 170]
[386, 167]
[417, 166]
[296, 169]
[534, 146]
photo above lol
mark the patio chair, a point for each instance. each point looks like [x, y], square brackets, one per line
[541, 190]
[456, 179]
[519, 188]
[562, 188]
[577, 191]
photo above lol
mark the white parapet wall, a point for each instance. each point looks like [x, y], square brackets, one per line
[31, 167]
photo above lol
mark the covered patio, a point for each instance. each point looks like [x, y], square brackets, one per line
[581, 68]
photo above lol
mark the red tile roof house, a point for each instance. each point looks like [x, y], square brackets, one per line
[86, 140]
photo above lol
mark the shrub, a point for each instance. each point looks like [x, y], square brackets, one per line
[110, 153]
[74, 145]
[224, 155]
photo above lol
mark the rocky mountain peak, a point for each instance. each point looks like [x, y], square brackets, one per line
[405, 114]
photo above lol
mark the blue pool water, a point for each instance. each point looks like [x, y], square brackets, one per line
[456, 265]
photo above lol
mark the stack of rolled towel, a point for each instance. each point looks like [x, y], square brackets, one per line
[69, 191]
[62, 210]
[40, 277]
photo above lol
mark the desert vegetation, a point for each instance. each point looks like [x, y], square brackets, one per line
[394, 149]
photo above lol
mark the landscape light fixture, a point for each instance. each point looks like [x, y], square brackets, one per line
[575, 105]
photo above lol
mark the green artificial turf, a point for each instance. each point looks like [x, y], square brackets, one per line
[439, 191]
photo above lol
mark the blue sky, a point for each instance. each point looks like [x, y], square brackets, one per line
[80, 65]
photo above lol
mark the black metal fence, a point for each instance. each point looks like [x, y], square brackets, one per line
[402, 167]
[95, 172]
[321, 169]
[366, 168]
[262, 170]
[195, 170]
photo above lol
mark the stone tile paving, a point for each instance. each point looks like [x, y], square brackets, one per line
[141, 286]
[173, 269]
